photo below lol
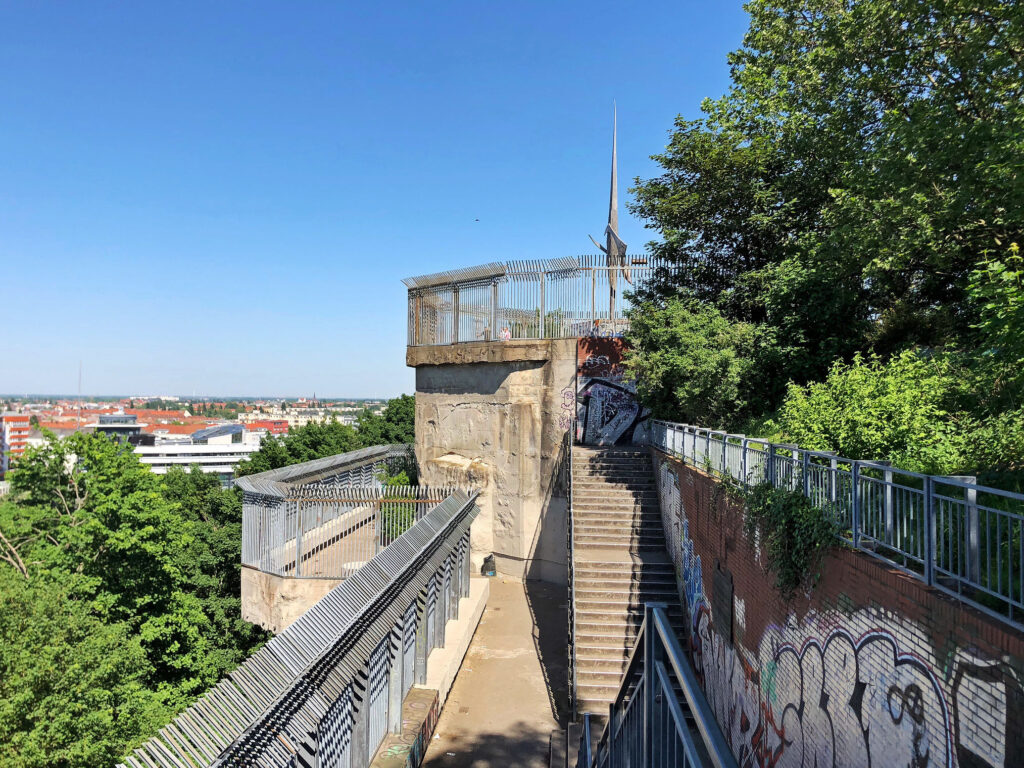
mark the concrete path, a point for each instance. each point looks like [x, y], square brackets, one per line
[511, 691]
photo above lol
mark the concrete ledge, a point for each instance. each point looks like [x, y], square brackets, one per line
[443, 663]
[482, 352]
[274, 602]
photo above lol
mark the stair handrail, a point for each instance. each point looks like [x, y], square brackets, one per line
[647, 701]
[571, 532]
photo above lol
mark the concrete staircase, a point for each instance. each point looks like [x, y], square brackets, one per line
[619, 563]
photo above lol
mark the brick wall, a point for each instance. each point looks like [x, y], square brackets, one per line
[872, 668]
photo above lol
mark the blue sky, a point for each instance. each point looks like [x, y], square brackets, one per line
[222, 198]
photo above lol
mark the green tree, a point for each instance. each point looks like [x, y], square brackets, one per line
[317, 440]
[692, 364]
[74, 688]
[864, 163]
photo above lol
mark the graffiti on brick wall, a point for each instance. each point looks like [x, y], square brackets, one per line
[859, 688]
[607, 409]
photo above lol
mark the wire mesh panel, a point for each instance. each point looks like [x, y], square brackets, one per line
[377, 714]
[431, 612]
[526, 299]
[334, 733]
[476, 312]
[408, 647]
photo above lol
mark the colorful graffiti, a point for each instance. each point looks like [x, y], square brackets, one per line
[607, 409]
[863, 687]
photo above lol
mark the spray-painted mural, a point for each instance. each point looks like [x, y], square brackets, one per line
[607, 410]
[861, 686]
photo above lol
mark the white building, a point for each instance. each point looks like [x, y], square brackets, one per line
[215, 450]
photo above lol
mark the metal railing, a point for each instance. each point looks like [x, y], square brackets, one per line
[571, 541]
[327, 517]
[962, 538]
[329, 688]
[660, 716]
[327, 531]
[531, 299]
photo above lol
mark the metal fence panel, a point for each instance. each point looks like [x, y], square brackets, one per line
[962, 538]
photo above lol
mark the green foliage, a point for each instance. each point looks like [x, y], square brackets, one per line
[997, 289]
[907, 410]
[142, 575]
[75, 688]
[857, 191]
[319, 439]
[694, 365]
[794, 536]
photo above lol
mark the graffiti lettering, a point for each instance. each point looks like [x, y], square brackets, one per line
[855, 689]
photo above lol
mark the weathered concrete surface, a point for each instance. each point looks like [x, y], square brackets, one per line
[274, 602]
[494, 415]
[443, 663]
[419, 717]
[511, 691]
[479, 352]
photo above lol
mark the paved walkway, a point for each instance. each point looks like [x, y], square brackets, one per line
[511, 691]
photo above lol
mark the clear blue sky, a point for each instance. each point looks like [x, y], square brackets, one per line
[224, 197]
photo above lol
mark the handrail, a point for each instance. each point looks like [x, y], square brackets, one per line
[955, 535]
[571, 528]
[648, 723]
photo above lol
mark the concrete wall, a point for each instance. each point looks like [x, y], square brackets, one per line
[495, 416]
[872, 668]
[274, 602]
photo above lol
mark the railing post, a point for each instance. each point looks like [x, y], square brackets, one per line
[855, 503]
[494, 311]
[540, 325]
[417, 339]
[298, 538]
[439, 610]
[420, 675]
[395, 679]
[743, 461]
[833, 478]
[455, 595]
[888, 501]
[770, 469]
[929, 530]
[593, 298]
[358, 748]
[725, 457]
[455, 315]
[805, 473]
[651, 750]
[465, 565]
[973, 553]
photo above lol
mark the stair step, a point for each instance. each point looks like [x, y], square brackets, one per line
[586, 593]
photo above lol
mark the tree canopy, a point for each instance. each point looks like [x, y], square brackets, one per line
[319, 439]
[858, 191]
[119, 600]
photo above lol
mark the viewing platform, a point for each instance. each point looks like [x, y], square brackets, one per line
[565, 298]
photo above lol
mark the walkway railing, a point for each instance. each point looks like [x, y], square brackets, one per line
[530, 299]
[329, 688]
[962, 538]
[326, 518]
[660, 716]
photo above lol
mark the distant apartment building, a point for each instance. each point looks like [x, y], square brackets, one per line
[14, 432]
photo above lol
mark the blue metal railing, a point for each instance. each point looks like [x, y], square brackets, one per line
[660, 716]
[961, 538]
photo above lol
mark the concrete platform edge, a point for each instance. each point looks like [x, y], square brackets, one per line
[444, 663]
